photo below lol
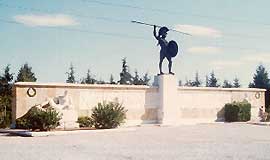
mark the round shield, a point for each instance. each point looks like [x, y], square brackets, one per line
[172, 48]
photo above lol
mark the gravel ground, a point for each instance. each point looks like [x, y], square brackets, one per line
[205, 141]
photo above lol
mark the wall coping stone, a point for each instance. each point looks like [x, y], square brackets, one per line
[125, 87]
[222, 89]
[82, 86]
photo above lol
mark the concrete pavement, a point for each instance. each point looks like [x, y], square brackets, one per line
[187, 142]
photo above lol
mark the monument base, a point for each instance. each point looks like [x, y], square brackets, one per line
[169, 111]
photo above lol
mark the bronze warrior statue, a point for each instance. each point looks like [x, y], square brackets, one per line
[167, 49]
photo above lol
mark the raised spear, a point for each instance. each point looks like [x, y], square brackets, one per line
[147, 24]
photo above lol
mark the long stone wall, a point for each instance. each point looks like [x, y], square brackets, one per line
[206, 104]
[139, 100]
[145, 104]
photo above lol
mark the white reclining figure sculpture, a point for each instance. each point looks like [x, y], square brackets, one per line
[62, 102]
[63, 105]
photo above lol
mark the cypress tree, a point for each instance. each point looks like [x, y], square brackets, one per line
[212, 81]
[71, 76]
[236, 83]
[25, 74]
[260, 78]
[125, 76]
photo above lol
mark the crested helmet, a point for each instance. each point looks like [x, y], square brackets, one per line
[163, 30]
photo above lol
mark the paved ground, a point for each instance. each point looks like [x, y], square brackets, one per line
[211, 142]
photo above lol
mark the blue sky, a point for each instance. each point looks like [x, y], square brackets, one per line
[229, 37]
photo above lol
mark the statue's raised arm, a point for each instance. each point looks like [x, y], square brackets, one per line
[155, 32]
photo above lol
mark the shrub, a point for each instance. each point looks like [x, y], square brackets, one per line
[244, 111]
[237, 111]
[85, 121]
[267, 111]
[39, 119]
[108, 115]
[264, 115]
[231, 112]
[5, 119]
[220, 115]
[5, 110]
[22, 123]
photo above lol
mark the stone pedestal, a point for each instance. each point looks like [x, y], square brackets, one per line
[169, 111]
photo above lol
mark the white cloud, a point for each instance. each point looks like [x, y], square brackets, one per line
[45, 20]
[204, 50]
[257, 57]
[250, 58]
[225, 64]
[199, 30]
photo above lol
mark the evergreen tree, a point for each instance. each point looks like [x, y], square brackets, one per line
[71, 76]
[136, 79]
[197, 82]
[236, 83]
[260, 78]
[206, 81]
[6, 82]
[125, 76]
[112, 80]
[212, 81]
[227, 84]
[25, 74]
[146, 79]
[5, 97]
[89, 79]
[7, 77]
[180, 83]
[100, 81]
[188, 83]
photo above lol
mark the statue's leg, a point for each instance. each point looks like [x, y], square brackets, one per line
[160, 63]
[170, 65]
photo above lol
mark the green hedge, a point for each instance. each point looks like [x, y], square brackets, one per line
[85, 121]
[264, 114]
[39, 119]
[105, 115]
[244, 112]
[108, 115]
[237, 111]
[5, 110]
[267, 112]
[5, 119]
[231, 112]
